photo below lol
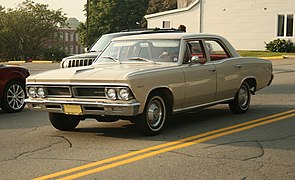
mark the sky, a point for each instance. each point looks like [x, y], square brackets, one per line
[72, 8]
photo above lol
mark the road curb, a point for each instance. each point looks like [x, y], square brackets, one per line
[278, 57]
[35, 62]
[42, 62]
[272, 58]
[288, 57]
[15, 62]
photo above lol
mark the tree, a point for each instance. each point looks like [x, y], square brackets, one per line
[25, 30]
[156, 6]
[107, 16]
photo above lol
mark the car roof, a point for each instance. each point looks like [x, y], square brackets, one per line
[168, 36]
[142, 31]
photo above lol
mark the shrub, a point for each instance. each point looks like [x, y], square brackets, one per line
[54, 54]
[280, 45]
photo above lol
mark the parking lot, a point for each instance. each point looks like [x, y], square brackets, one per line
[211, 143]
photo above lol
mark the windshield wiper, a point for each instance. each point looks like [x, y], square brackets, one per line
[141, 59]
[111, 58]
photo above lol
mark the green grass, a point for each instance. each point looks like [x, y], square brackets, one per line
[262, 53]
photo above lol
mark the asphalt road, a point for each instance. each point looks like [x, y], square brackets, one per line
[208, 144]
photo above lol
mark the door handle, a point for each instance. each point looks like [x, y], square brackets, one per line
[211, 70]
[238, 66]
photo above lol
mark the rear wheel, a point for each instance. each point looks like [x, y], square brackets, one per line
[241, 102]
[152, 120]
[64, 122]
[13, 97]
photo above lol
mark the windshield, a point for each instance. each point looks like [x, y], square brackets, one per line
[154, 50]
[101, 43]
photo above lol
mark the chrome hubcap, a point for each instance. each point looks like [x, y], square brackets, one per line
[15, 96]
[154, 114]
[243, 97]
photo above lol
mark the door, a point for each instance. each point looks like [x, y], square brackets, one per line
[200, 85]
[228, 70]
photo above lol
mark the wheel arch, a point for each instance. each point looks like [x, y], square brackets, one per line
[5, 103]
[17, 79]
[251, 81]
[166, 94]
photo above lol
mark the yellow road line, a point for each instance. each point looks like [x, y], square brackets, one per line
[174, 145]
[137, 158]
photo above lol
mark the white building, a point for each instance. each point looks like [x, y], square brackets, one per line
[247, 24]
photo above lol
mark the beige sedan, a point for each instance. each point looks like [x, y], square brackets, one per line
[145, 78]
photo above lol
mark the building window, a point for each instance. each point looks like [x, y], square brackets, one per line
[281, 23]
[290, 26]
[285, 25]
[66, 49]
[72, 36]
[66, 37]
[71, 49]
[61, 36]
[166, 24]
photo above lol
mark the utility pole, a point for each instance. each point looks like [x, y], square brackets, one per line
[87, 24]
[201, 15]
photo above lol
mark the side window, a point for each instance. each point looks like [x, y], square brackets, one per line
[194, 48]
[216, 50]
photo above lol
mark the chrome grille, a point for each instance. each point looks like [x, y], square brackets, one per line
[58, 91]
[78, 62]
[89, 92]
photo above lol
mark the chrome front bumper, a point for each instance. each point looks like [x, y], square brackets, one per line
[80, 107]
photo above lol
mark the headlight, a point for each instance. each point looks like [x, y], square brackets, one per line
[124, 94]
[41, 92]
[121, 93]
[32, 91]
[36, 92]
[111, 93]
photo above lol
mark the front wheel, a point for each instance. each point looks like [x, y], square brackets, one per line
[152, 120]
[63, 122]
[13, 97]
[241, 102]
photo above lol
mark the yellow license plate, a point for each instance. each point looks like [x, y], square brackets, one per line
[72, 109]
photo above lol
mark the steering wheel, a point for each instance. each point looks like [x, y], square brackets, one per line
[164, 55]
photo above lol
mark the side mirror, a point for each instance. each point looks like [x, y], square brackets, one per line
[197, 60]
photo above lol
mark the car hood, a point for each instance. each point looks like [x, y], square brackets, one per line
[84, 55]
[103, 73]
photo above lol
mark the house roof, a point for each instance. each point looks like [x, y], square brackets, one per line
[172, 11]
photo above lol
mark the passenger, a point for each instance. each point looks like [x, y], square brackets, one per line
[182, 28]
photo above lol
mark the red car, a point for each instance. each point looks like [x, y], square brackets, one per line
[12, 87]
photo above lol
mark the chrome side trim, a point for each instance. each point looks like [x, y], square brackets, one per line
[201, 105]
